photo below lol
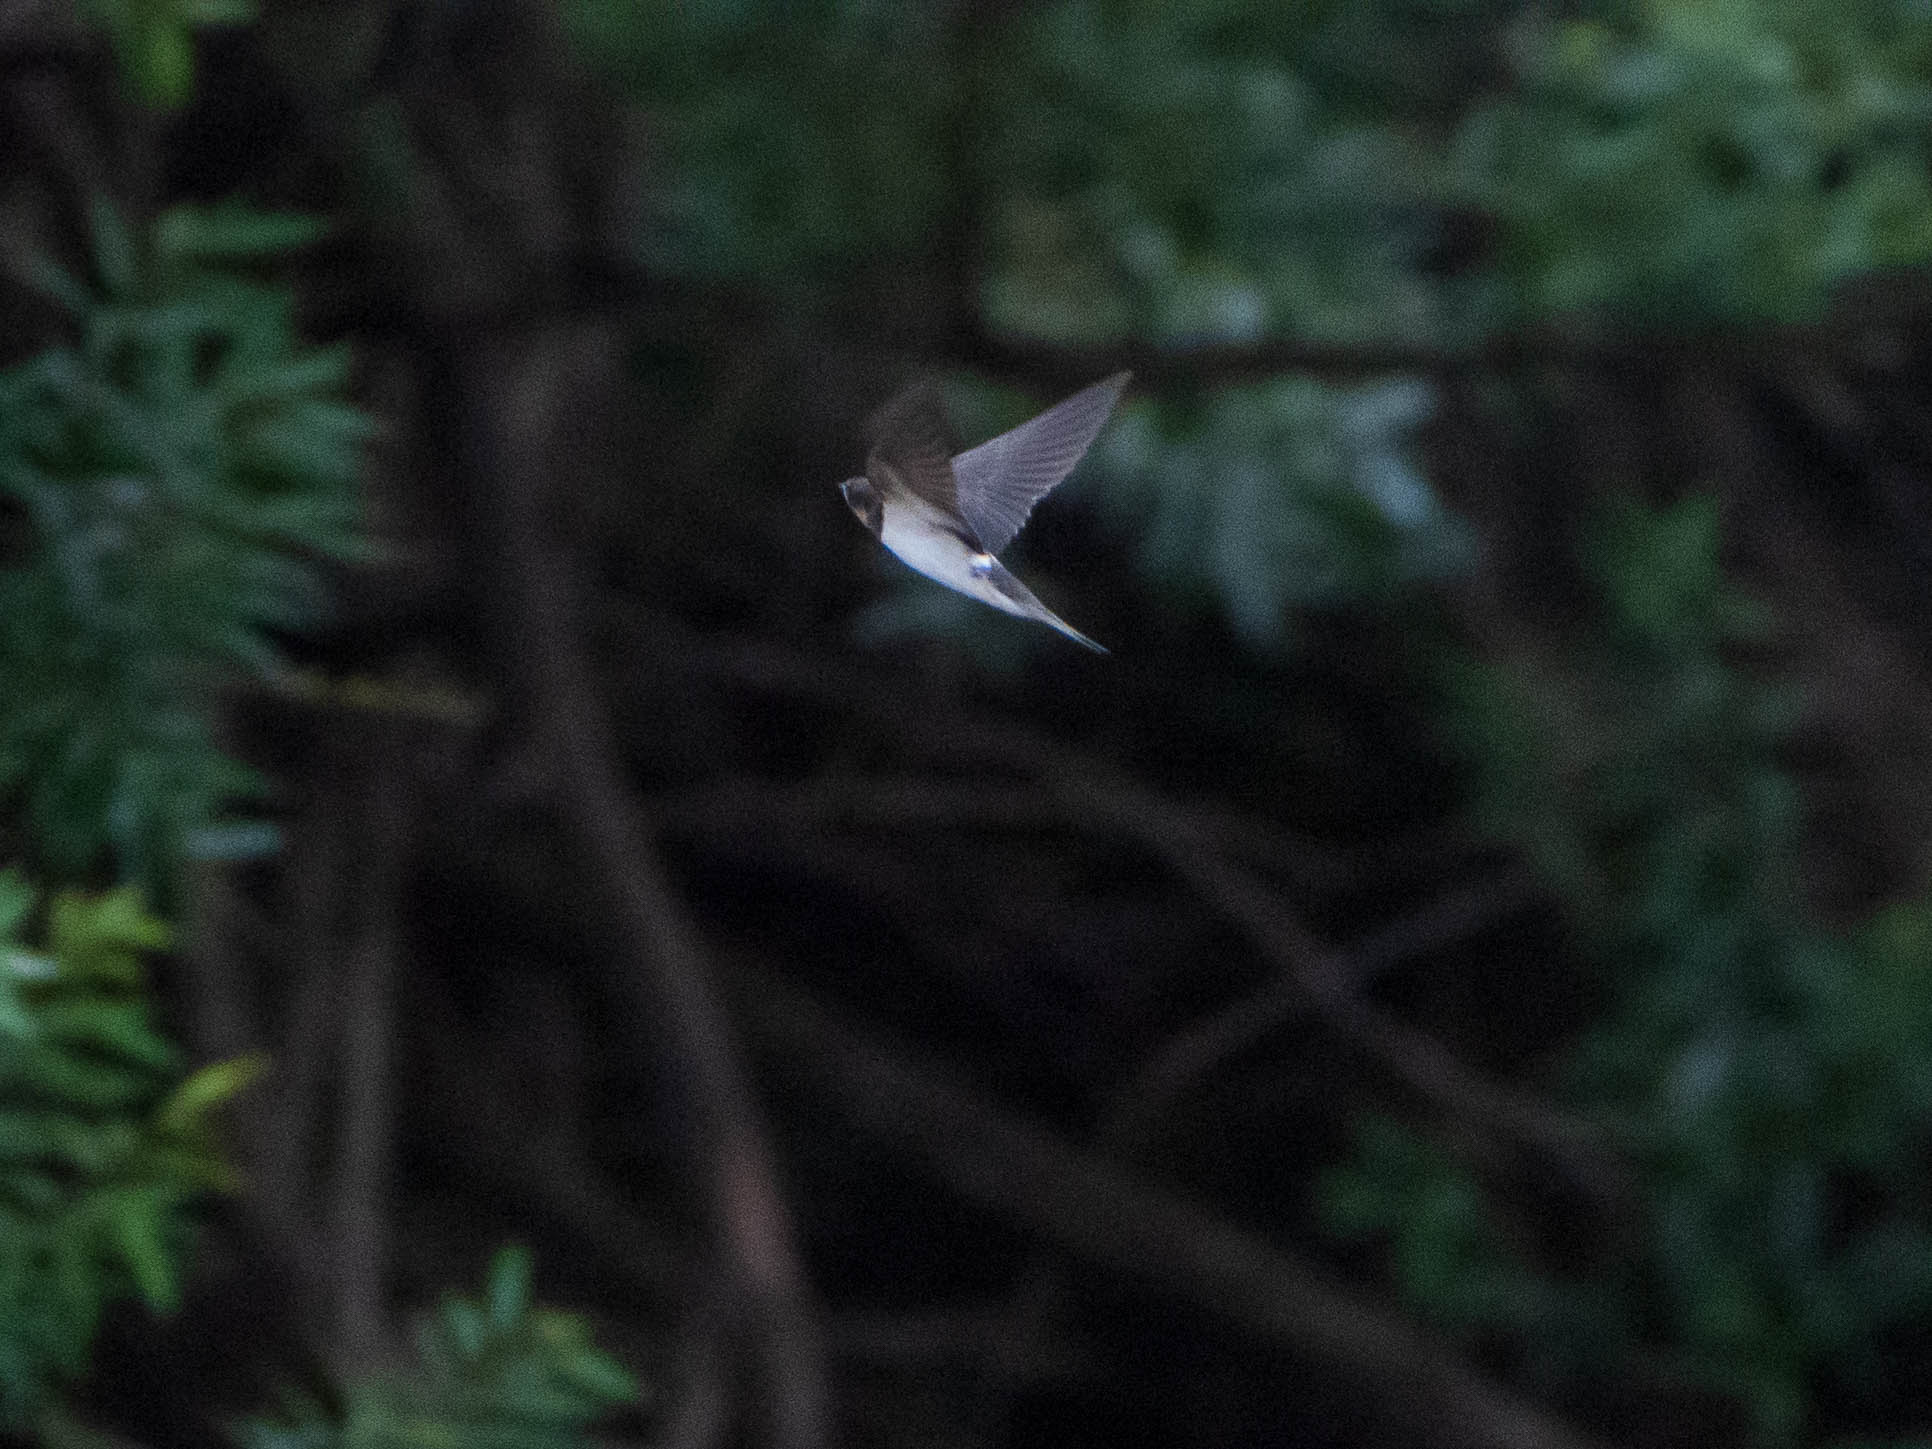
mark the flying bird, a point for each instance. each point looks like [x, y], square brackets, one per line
[949, 517]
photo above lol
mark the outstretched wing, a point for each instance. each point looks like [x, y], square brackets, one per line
[912, 448]
[999, 481]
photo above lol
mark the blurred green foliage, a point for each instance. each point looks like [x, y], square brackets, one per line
[1285, 496]
[1677, 162]
[495, 1373]
[154, 41]
[1093, 171]
[1772, 1076]
[104, 1140]
[180, 468]
[1127, 168]
[1444, 1249]
[808, 147]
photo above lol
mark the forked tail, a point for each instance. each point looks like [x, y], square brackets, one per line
[1023, 603]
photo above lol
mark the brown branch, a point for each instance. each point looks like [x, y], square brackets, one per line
[1859, 336]
[514, 396]
[1312, 969]
[597, 285]
[917, 1337]
[1315, 973]
[1193, 1053]
[1092, 1208]
[514, 1149]
[310, 877]
[700, 1415]
[214, 967]
[919, 802]
[531, 1168]
[1322, 979]
[359, 1217]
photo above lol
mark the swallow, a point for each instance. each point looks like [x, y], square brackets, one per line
[949, 517]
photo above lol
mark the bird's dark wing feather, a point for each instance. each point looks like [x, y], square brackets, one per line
[912, 448]
[1000, 480]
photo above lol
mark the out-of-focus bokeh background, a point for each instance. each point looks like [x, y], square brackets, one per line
[523, 927]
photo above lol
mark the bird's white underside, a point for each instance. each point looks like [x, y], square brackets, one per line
[919, 534]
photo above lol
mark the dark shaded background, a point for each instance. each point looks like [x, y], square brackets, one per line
[1453, 975]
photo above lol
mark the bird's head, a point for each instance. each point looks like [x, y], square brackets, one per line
[863, 499]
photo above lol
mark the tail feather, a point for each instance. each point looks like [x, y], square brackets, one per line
[1023, 603]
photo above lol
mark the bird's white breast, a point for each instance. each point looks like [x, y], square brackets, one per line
[920, 536]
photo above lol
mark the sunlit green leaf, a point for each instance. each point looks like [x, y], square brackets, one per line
[204, 1090]
[97, 1162]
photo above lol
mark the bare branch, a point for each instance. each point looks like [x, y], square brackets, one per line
[1322, 979]
[1194, 1052]
[512, 1150]
[360, 1210]
[700, 1417]
[1309, 968]
[919, 802]
[1092, 1208]
[311, 873]
[514, 396]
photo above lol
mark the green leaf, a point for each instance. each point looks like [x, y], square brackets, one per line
[16, 1021]
[16, 902]
[187, 1107]
[466, 1327]
[56, 284]
[102, 935]
[234, 840]
[137, 1220]
[86, 1086]
[94, 1187]
[45, 1135]
[185, 469]
[601, 1377]
[509, 1288]
[509, 1375]
[112, 1029]
[161, 54]
[218, 12]
[114, 253]
[231, 233]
